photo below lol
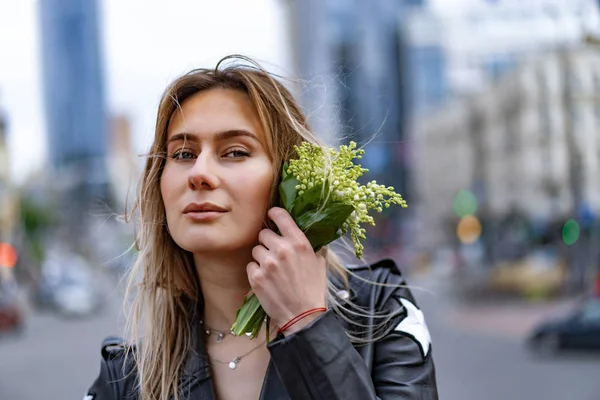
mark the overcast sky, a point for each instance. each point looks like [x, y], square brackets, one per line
[146, 43]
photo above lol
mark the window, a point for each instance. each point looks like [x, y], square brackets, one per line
[574, 81]
[590, 313]
[575, 116]
[596, 83]
[597, 112]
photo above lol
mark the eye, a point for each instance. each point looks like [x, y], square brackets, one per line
[236, 153]
[183, 154]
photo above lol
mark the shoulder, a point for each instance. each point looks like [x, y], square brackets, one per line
[381, 269]
[377, 282]
[117, 377]
[114, 347]
[381, 288]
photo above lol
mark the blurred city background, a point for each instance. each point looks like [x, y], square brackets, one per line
[483, 114]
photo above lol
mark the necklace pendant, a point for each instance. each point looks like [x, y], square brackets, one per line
[220, 337]
[233, 364]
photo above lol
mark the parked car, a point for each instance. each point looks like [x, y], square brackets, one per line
[42, 295]
[539, 274]
[67, 286]
[578, 330]
[76, 294]
[12, 316]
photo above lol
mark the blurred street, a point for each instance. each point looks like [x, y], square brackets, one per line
[484, 115]
[480, 352]
[57, 359]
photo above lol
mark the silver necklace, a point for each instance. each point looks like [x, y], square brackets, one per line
[236, 360]
[220, 334]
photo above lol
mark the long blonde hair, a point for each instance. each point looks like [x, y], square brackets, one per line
[163, 279]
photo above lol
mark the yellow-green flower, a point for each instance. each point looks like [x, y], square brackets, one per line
[322, 194]
[311, 170]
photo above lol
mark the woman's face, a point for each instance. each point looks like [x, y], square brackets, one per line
[216, 183]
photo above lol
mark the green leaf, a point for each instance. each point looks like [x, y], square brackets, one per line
[287, 188]
[249, 317]
[310, 199]
[284, 173]
[268, 329]
[322, 227]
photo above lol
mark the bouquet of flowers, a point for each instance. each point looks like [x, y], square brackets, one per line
[326, 202]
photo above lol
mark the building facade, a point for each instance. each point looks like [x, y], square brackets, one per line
[122, 164]
[356, 62]
[8, 205]
[530, 144]
[486, 39]
[74, 93]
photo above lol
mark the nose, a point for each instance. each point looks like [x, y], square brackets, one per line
[204, 175]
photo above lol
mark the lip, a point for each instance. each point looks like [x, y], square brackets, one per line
[203, 216]
[203, 207]
[202, 212]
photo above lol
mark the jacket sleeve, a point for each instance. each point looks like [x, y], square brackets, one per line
[320, 362]
[402, 361]
[113, 382]
[403, 366]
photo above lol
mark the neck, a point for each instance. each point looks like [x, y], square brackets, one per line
[224, 283]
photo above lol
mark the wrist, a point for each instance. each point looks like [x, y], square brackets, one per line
[298, 326]
[301, 320]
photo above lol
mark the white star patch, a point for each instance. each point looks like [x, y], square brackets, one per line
[89, 397]
[414, 326]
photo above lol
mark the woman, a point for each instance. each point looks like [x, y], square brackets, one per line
[207, 226]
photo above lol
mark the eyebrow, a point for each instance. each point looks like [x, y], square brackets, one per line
[218, 137]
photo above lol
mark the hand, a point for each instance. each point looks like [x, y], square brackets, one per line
[287, 276]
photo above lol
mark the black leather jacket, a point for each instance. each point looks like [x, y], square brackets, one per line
[318, 362]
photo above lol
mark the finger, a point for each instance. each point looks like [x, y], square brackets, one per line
[253, 272]
[268, 238]
[260, 254]
[284, 221]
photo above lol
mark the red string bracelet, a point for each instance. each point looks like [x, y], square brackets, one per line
[299, 317]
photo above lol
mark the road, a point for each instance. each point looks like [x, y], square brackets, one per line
[55, 358]
[478, 353]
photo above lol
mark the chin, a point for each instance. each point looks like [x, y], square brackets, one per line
[215, 242]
